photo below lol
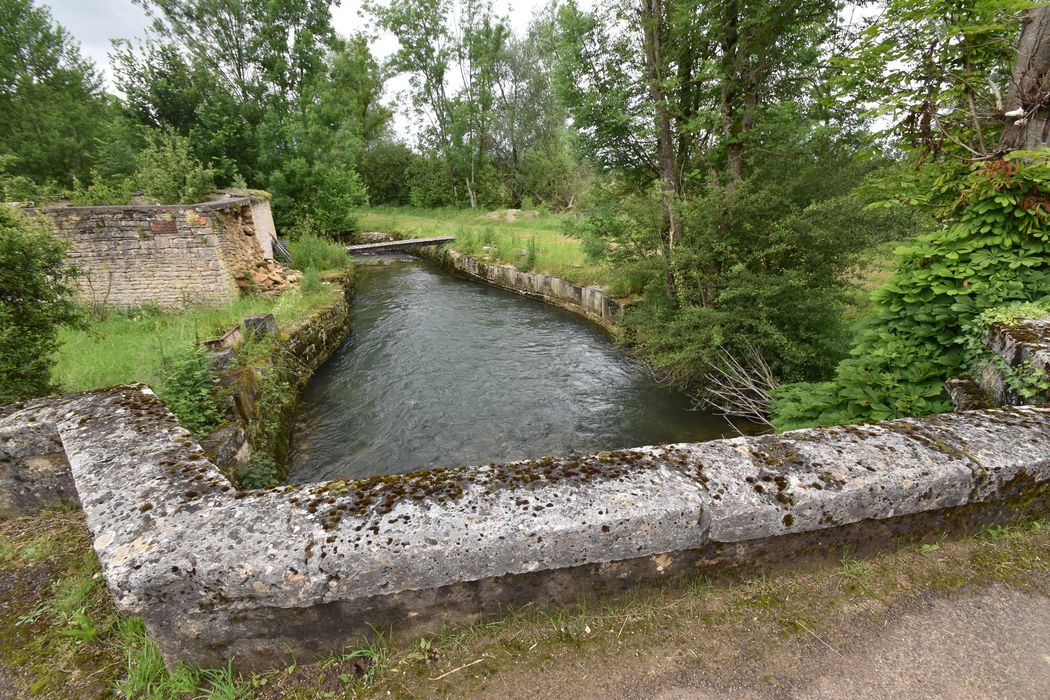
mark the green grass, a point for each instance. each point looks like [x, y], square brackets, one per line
[503, 236]
[131, 346]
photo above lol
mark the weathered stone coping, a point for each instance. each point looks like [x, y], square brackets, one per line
[214, 205]
[590, 302]
[298, 570]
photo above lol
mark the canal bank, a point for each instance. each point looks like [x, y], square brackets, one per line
[441, 371]
[591, 303]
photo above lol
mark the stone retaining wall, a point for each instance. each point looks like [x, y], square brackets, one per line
[300, 570]
[589, 302]
[1020, 352]
[296, 355]
[165, 255]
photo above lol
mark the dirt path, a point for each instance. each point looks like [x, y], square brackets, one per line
[989, 643]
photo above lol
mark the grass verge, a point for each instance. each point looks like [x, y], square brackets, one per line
[62, 637]
[529, 240]
[132, 345]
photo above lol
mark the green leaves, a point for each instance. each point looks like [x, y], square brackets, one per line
[36, 286]
[930, 317]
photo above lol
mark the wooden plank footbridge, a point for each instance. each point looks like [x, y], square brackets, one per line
[396, 245]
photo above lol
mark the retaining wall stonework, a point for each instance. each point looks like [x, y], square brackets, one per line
[1020, 349]
[589, 302]
[300, 570]
[166, 255]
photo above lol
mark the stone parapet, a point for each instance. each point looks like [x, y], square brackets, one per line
[301, 570]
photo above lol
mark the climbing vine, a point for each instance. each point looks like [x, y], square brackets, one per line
[990, 251]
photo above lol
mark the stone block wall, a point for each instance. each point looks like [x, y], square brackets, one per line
[166, 255]
[1020, 349]
[266, 576]
[590, 302]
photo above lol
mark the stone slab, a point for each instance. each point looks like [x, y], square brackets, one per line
[301, 570]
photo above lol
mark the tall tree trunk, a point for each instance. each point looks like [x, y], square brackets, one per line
[1029, 87]
[653, 19]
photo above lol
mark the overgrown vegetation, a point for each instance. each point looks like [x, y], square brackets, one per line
[133, 345]
[991, 251]
[36, 287]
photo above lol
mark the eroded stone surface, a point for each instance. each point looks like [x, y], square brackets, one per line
[301, 569]
[1022, 347]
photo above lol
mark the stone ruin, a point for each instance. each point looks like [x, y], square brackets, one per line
[171, 255]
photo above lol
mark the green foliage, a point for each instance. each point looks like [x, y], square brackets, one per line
[191, 391]
[763, 262]
[281, 102]
[1026, 380]
[167, 171]
[99, 191]
[933, 69]
[311, 251]
[991, 250]
[51, 101]
[384, 170]
[36, 287]
[259, 472]
[431, 184]
[311, 281]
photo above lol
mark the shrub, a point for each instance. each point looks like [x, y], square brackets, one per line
[992, 250]
[167, 172]
[100, 191]
[190, 390]
[36, 288]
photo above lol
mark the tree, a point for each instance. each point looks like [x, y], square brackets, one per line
[665, 89]
[35, 299]
[265, 91]
[51, 100]
[384, 169]
[990, 250]
[1029, 86]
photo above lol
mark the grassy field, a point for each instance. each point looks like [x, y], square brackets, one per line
[500, 236]
[131, 346]
[62, 638]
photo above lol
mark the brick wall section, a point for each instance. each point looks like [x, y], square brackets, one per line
[167, 255]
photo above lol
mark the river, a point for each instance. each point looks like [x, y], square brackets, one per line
[442, 371]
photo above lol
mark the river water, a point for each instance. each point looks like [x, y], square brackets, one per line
[442, 371]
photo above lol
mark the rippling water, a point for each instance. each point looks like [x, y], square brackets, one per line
[441, 371]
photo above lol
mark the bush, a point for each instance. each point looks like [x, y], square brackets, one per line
[36, 288]
[167, 172]
[100, 191]
[190, 390]
[991, 251]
